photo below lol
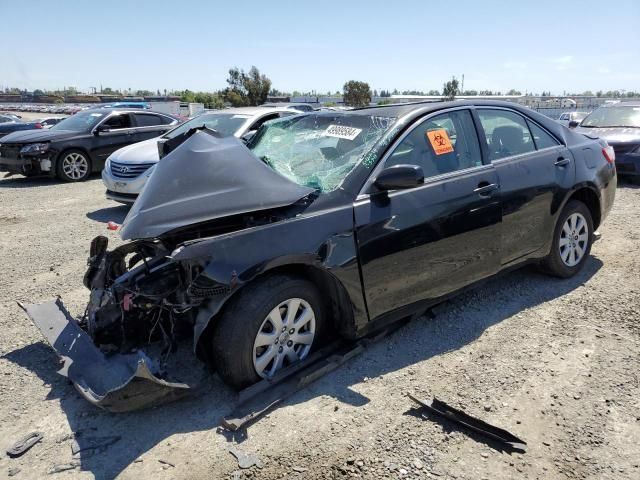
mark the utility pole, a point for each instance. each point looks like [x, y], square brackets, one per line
[462, 85]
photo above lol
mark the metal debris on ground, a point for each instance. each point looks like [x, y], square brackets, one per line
[440, 408]
[90, 445]
[245, 460]
[292, 379]
[24, 444]
[63, 467]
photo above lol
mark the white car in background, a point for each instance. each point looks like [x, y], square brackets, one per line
[567, 117]
[126, 170]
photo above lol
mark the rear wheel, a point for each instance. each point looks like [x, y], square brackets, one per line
[270, 325]
[73, 166]
[572, 241]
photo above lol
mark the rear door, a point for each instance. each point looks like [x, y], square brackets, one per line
[121, 132]
[535, 172]
[151, 125]
[422, 243]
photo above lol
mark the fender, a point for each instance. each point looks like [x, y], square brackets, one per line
[230, 261]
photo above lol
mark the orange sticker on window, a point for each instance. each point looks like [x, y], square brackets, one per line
[440, 141]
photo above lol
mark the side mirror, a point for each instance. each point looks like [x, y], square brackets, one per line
[400, 177]
[102, 129]
[573, 123]
[246, 138]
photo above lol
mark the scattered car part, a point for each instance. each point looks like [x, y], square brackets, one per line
[261, 397]
[440, 408]
[245, 460]
[118, 383]
[90, 445]
[24, 444]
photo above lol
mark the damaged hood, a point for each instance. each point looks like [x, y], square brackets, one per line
[204, 178]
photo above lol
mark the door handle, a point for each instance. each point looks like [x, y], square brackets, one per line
[561, 162]
[485, 189]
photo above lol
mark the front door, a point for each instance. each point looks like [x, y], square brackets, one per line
[425, 242]
[121, 132]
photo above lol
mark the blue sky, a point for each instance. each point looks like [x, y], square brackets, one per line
[498, 45]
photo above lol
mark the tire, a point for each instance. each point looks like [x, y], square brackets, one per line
[247, 321]
[73, 166]
[561, 262]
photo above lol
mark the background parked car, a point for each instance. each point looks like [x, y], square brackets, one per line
[297, 107]
[49, 122]
[619, 125]
[80, 144]
[127, 170]
[13, 125]
[567, 117]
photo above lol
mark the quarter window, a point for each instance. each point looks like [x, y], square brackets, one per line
[506, 133]
[441, 144]
[541, 138]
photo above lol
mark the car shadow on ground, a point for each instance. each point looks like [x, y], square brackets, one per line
[18, 181]
[109, 214]
[457, 323]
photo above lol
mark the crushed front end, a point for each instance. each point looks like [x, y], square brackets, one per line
[138, 301]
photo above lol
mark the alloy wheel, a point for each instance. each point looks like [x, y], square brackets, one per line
[574, 239]
[75, 166]
[285, 337]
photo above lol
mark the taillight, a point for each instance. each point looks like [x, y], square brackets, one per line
[609, 154]
[38, 125]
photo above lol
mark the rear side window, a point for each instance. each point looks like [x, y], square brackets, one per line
[441, 144]
[506, 133]
[541, 138]
[115, 122]
[148, 120]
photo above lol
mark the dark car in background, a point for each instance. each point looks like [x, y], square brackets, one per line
[325, 225]
[619, 125]
[79, 145]
[9, 125]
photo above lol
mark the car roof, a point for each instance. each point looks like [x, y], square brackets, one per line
[249, 111]
[123, 110]
[622, 104]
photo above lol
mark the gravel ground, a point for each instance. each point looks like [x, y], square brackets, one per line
[554, 361]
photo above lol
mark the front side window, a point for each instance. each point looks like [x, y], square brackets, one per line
[318, 150]
[506, 133]
[441, 144]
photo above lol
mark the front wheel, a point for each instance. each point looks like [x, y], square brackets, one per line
[572, 241]
[270, 325]
[73, 166]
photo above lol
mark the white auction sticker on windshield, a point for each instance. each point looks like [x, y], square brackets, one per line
[341, 131]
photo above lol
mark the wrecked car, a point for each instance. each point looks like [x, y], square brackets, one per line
[331, 224]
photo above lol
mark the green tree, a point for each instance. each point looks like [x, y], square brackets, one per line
[513, 91]
[434, 93]
[450, 89]
[250, 88]
[356, 94]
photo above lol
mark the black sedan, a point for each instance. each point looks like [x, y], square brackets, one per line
[79, 145]
[326, 224]
[619, 125]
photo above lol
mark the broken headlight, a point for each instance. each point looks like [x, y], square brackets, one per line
[35, 148]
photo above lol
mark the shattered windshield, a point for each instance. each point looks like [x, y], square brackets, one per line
[318, 150]
[80, 122]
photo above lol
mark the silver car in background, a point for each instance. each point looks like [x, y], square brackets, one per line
[126, 170]
[567, 117]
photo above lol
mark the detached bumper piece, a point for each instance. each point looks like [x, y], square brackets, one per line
[440, 408]
[117, 383]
